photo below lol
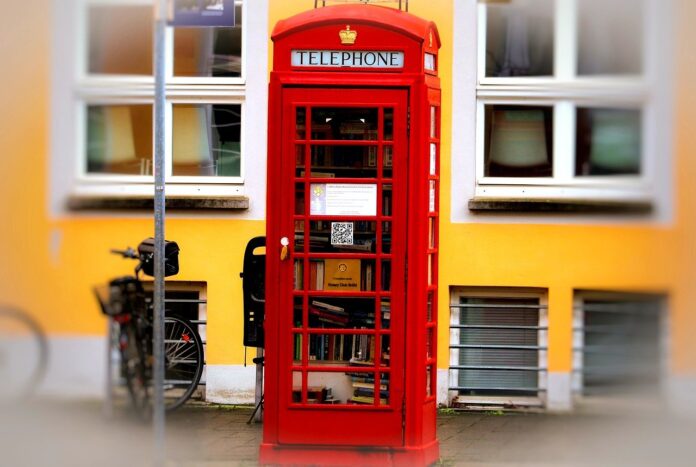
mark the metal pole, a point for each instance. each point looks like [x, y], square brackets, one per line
[259, 385]
[158, 318]
[109, 403]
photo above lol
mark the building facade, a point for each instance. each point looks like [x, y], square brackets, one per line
[566, 201]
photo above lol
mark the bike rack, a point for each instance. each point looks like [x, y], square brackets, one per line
[112, 355]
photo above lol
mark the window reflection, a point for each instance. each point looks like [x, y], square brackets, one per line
[209, 52]
[519, 38]
[206, 140]
[119, 139]
[519, 141]
[113, 52]
[610, 37]
[344, 123]
[609, 142]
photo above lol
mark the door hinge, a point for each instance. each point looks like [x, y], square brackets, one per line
[408, 121]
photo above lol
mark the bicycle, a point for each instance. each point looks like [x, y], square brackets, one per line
[23, 355]
[125, 301]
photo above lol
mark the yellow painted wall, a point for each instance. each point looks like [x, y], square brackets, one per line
[49, 265]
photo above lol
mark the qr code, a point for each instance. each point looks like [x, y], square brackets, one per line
[341, 233]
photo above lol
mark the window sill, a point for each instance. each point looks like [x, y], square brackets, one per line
[102, 203]
[483, 205]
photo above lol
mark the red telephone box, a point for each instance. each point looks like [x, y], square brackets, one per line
[352, 239]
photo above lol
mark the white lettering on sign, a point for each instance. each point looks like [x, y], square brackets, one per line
[348, 58]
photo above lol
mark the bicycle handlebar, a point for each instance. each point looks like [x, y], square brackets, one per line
[127, 253]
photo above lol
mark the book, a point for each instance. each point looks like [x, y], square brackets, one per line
[332, 308]
[328, 316]
[371, 386]
[367, 400]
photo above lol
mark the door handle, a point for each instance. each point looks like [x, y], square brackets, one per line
[284, 242]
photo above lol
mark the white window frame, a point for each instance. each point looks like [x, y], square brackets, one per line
[84, 89]
[472, 90]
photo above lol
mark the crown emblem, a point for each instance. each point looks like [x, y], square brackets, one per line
[347, 36]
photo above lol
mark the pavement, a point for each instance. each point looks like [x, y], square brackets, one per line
[60, 433]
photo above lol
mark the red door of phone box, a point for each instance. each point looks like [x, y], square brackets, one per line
[352, 239]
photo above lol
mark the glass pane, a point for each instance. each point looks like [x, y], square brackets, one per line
[330, 387]
[428, 381]
[386, 275]
[349, 275]
[519, 38]
[429, 310]
[343, 236]
[431, 232]
[344, 161]
[388, 160]
[433, 196]
[206, 140]
[385, 357]
[299, 236]
[297, 386]
[387, 200]
[297, 347]
[430, 270]
[429, 343]
[385, 307]
[298, 274]
[384, 388]
[364, 391]
[610, 37]
[609, 142]
[388, 124]
[299, 198]
[297, 319]
[433, 269]
[433, 159]
[433, 122]
[386, 237]
[113, 52]
[209, 52]
[341, 313]
[119, 139]
[300, 123]
[344, 123]
[300, 160]
[518, 141]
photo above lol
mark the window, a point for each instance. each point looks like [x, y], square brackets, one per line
[498, 340]
[618, 342]
[568, 102]
[212, 74]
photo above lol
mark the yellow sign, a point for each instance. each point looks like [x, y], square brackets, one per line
[342, 274]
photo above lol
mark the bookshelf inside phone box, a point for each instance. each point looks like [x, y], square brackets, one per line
[352, 238]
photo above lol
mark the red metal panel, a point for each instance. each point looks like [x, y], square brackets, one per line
[299, 421]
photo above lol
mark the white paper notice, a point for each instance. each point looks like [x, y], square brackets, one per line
[343, 199]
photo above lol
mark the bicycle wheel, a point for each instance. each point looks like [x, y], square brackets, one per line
[23, 355]
[183, 361]
[133, 368]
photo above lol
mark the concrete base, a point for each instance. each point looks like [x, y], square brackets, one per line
[230, 384]
[559, 394]
[275, 454]
[681, 395]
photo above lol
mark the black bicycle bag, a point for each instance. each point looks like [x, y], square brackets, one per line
[146, 250]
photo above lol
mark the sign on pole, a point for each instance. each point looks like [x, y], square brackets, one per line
[201, 13]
